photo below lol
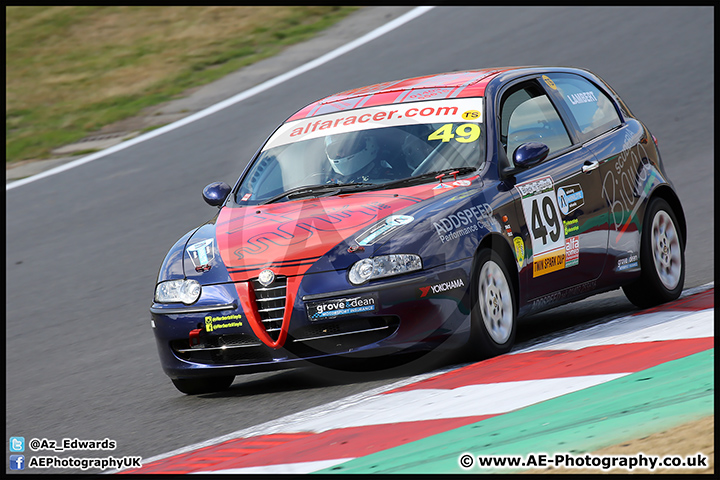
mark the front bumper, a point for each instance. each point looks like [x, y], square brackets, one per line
[218, 335]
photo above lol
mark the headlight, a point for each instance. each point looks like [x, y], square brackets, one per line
[186, 291]
[383, 266]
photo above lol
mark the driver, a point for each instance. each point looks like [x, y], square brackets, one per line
[415, 149]
[354, 158]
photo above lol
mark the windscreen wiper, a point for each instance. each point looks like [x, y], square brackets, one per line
[311, 190]
[425, 177]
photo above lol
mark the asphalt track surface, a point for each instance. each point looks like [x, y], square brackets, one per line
[84, 246]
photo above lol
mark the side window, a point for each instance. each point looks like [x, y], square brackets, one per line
[526, 115]
[593, 111]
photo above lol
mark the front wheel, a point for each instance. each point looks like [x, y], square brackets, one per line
[662, 259]
[494, 307]
[195, 386]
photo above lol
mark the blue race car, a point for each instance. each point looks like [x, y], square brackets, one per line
[417, 214]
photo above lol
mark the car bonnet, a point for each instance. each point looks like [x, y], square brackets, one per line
[290, 237]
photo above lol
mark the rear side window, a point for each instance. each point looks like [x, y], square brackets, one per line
[592, 110]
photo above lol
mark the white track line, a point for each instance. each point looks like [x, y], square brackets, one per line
[438, 403]
[651, 327]
[378, 32]
[285, 468]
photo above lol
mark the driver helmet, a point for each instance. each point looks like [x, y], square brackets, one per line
[351, 152]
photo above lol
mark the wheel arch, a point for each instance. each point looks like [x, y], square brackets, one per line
[669, 195]
[497, 243]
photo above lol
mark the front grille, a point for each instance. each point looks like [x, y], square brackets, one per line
[341, 336]
[270, 303]
[222, 350]
[237, 341]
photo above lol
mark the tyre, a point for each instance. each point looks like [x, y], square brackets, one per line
[195, 386]
[662, 258]
[494, 311]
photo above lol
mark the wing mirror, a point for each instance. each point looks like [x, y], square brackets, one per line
[530, 154]
[216, 193]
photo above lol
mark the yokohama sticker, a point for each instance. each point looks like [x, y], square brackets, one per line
[441, 287]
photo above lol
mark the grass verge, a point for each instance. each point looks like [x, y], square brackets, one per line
[72, 70]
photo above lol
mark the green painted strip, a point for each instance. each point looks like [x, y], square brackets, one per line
[625, 408]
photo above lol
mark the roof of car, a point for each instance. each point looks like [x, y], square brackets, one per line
[470, 83]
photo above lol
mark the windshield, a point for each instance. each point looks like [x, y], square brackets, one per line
[366, 148]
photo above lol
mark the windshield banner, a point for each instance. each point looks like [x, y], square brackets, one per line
[436, 111]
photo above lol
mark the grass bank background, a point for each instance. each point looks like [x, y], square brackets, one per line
[72, 70]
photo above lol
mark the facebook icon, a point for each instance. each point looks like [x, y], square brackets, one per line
[17, 462]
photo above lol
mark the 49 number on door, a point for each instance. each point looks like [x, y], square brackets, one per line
[542, 217]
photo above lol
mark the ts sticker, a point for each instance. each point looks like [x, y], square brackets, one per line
[549, 82]
[542, 215]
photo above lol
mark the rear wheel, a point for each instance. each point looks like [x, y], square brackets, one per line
[494, 307]
[662, 258]
[195, 386]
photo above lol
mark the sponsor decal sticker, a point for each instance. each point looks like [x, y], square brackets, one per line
[471, 115]
[568, 292]
[217, 323]
[572, 251]
[570, 226]
[433, 111]
[382, 229]
[461, 196]
[462, 183]
[456, 183]
[570, 198]
[539, 203]
[201, 254]
[441, 287]
[465, 222]
[341, 307]
[549, 262]
[582, 97]
[549, 82]
[519, 251]
[627, 263]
